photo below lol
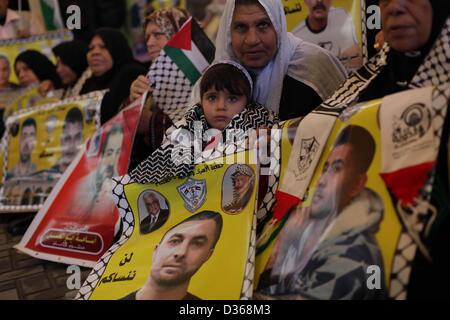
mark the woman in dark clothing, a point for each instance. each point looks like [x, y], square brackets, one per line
[113, 67]
[70, 63]
[405, 57]
[158, 27]
[31, 66]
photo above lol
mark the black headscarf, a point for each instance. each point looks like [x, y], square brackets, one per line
[117, 45]
[121, 53]
[124, 71]
[73, 54]
[42, 67]
[402, 67]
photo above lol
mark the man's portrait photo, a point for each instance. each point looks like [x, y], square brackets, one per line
[324, 249]
[94, 190]
[237, 188]
[71, 139]
[26, 166]
[153, 211]
[331, 28]
[178, 256]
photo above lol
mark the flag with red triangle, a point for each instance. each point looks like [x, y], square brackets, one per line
[191, 49]
[180, 64]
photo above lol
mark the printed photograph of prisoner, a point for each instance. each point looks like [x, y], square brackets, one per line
[324, 249]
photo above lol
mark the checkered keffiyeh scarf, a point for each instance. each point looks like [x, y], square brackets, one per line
[175, 157]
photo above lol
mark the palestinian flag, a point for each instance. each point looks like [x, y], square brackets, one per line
[49, 12]
[191, 50]
[180, 64]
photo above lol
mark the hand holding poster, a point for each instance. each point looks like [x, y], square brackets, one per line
[181, 236]
[78, 221]
[40, 144]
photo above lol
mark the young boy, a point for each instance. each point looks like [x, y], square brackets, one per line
[226, 103]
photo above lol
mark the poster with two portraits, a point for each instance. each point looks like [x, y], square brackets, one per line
[363, 213]
[189, 238]
[39, 144]
[78, 221]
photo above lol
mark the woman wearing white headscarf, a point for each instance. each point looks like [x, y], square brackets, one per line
[299, 75]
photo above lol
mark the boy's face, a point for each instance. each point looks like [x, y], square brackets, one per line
[221, 106]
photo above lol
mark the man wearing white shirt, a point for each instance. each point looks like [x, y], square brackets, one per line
[324, 249]
[14, 26]
[156, 216]
[332, 29]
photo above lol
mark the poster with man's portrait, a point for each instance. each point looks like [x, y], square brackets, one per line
[358, 221]
[79, 219]
[199, 252]
[11, 48]
[40, 144]
[335, 25]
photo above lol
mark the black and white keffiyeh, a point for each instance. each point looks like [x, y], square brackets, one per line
[171, 87]
[176, 156]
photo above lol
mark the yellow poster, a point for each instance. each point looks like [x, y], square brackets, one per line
[42, 43]
[333, 25]
[187, 238]
[357, 228]
[40, 145]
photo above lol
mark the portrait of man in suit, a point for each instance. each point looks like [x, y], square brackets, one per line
[156, 216]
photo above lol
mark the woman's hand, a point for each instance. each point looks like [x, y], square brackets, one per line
[44, 87]
[139, 87]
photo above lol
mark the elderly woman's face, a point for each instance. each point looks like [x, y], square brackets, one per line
[253, 36]
[67, 75]
[98, 57]
[406, 23]
[155, 40]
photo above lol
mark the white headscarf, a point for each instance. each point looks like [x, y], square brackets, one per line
[302, 61]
